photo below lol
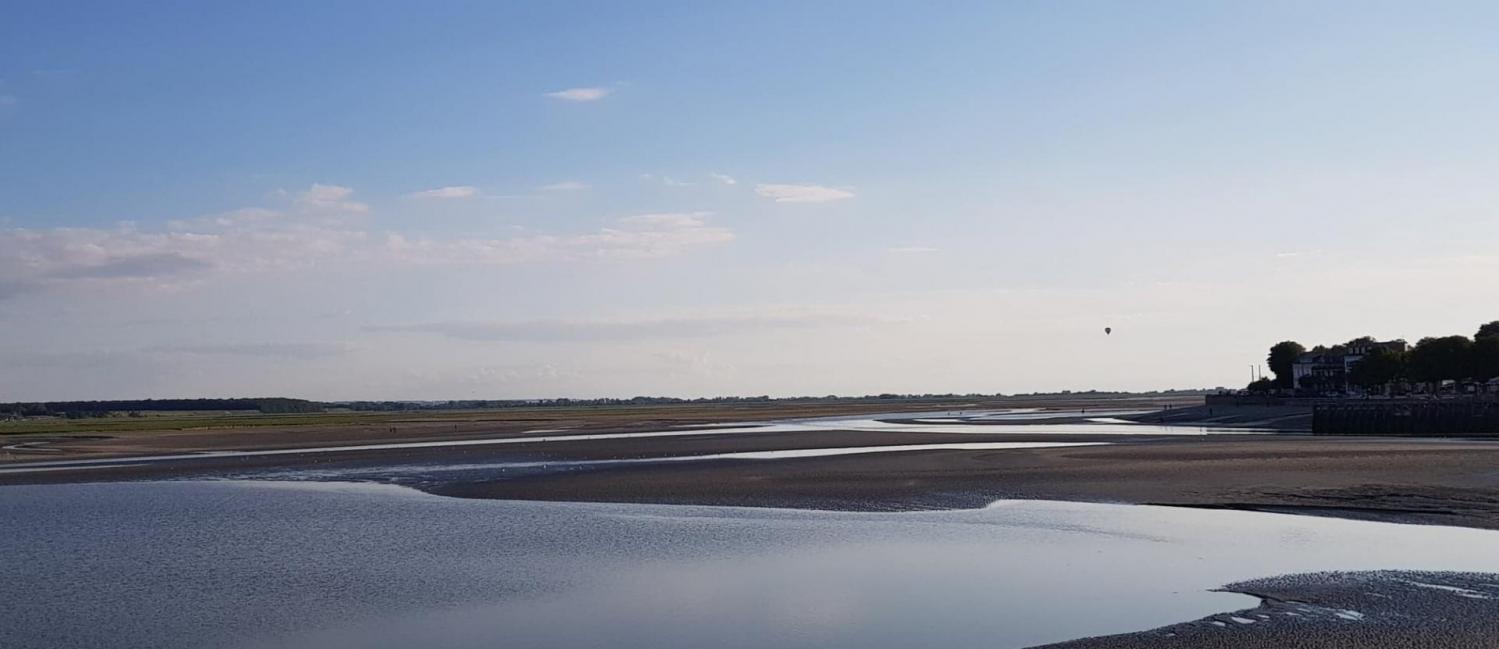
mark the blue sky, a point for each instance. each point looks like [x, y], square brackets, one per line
[396, 200]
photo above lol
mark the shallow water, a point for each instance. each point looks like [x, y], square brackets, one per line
[1011, 421]
[1101, 427]
[861, 450]
[1090, 428]
[414, 473]
[262, 564]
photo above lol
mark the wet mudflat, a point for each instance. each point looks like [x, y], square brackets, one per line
[942, 459]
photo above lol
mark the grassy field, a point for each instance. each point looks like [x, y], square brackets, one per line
[176, 421]
[195, 420]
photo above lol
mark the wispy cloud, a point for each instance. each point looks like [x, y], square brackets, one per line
[8, 100]
[677, 220]
[142, 266]
[696, 364]
[564, 186]
[247, 216]
[239, 241]
[645, 236]
[608, 330]
[254, 240]
[330, 198]
[580, 94]
[783, 193]
[665, 180]
[913, 250]
[723, 178]
[262, 350]
[454, 191]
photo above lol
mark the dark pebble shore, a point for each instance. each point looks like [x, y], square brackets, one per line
[1339, 610]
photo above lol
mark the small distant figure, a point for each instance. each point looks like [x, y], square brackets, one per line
[1108, 331]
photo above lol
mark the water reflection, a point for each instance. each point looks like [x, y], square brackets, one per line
[334, 565]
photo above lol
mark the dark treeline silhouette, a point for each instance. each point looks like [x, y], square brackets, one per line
[487, 404]
[649, 401]
[473, 404]
[1430, 362]
[274, 405]
[285, 405]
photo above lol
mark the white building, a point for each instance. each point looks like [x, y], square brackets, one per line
[1326, 370]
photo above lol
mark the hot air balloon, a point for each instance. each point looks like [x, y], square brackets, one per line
[1108, 330]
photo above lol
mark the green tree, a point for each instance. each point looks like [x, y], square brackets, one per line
[1378, 368]
[1315, 384]
[1485, 361]
[1433, 360]
[1490, 330]
[1261, 386]
[1282, 356]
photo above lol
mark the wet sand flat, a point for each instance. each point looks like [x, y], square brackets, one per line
[1454, 482]
[1428, 481]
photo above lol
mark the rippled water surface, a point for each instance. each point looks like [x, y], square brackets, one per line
[265, 564]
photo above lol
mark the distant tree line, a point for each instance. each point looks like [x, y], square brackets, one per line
[272, 405]
[278, 405]
[1430, 361]
[384, 406]
[563, 402]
